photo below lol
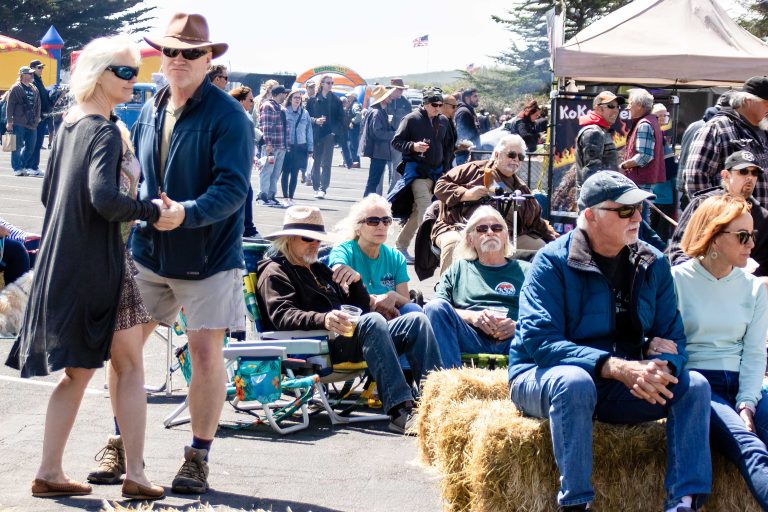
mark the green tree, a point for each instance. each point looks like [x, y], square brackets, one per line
[755, 19]
[78, 21]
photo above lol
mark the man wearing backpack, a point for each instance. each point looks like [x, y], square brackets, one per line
[23, 115]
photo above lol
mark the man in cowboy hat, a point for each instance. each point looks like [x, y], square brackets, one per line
[297, 292]
[398, 108]
[424, 142]
[376, 138]
[195, 143]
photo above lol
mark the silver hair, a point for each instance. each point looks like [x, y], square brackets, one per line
[642, 98]
[94, 59]
[739, 98]
[465, 250]
[348, 226]
[581, 220]
[506, 141]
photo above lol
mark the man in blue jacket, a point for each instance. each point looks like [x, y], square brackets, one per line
[195, 144]
[596, 307]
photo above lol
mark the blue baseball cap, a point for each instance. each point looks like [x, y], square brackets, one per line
[610, 186]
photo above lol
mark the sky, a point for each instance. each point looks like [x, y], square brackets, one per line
[373, 38]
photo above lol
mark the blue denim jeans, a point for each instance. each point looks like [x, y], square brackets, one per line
[383, 341]
[375, 174]
[25, 147]
[569, 397]
[456, 337]
[269, 174]
[745, 449]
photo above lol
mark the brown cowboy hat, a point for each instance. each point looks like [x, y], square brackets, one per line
[379, 94]
[397, 83]
[187, 31]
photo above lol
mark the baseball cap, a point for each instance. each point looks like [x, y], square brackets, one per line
[36, 64]
[607, 97]
[309, 83]
[741, 160]
[278, 89]
[25, 70]
[610, 186]
[757, 85]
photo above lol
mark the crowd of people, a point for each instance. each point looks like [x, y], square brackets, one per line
[598, 323]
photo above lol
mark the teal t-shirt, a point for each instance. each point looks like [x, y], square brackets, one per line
[380, 275]
[471, 285]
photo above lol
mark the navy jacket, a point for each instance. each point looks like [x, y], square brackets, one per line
[208, 170]
[566, 309]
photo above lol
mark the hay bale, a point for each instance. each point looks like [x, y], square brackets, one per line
[494, 459]
[446, 386]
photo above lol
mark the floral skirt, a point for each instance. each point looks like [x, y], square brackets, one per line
[131, 310]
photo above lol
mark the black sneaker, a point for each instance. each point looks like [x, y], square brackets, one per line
[404, 422]
[192, 477]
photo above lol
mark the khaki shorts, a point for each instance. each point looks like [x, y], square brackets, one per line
[215, 302]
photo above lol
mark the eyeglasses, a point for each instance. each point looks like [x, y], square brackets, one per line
[514, 154]
[483, 228]
[436, 105]
[749, 171]
[309, 240]
[188, 54]
[611, 106]
[625, 211]
[744, 235]
[124, 72]
[375, 221]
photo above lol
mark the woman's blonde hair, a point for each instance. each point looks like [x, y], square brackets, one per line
[348, 226]
[709, 220]
[93, 61]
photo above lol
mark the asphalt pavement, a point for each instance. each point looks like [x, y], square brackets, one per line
[324, 468]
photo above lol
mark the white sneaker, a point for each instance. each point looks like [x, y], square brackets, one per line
[20, 172]
[319, 194]
[35, 173]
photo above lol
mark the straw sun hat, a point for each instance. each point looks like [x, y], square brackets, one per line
[304, 221]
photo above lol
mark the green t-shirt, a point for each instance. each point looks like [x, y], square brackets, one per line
[380, 275]
[474, 286]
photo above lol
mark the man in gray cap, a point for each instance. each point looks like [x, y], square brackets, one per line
[597, 314]
[23, 116]
[595, 150]
[741, 125]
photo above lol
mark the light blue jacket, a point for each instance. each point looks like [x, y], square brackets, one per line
[300, 133]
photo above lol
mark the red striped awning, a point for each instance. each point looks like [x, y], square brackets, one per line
[8, 44]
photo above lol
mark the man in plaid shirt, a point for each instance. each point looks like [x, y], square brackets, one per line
[740, 126]
[272, 124]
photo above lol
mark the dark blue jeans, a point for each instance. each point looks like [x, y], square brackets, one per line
[15, 260]
[42, 129]
[730, 436]
[375, 174]
[295, 160]
[248, 227]
[25, 146]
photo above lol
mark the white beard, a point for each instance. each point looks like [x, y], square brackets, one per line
[310, 258]
[490, 245]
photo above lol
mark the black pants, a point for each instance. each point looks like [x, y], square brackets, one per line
[321, 169]
[295, 160]
[15, 262]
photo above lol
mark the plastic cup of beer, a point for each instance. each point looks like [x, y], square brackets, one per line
[498, 312]
[353, 313]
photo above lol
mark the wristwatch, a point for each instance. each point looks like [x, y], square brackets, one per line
[745, 405]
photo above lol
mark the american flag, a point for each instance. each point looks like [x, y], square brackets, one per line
[421, 41]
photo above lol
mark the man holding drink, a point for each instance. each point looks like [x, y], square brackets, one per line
[296, 292]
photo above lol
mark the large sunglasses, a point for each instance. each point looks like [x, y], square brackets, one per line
[514, 154]
[483, 228]
[744, 235]
[625, 211]
[611, 106]
[436, 105]
[308, 240]
[188, 54]
[124, 72]
[753, 171]
[374, 221]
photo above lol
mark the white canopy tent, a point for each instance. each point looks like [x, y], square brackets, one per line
[663, 42]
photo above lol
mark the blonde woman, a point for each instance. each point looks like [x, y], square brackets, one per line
[84, 307]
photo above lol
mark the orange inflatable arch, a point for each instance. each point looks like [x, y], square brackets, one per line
[343, 76]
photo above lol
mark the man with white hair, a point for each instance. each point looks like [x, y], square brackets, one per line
[477, 299]
[597, 314]
[464, 188]
[739, 126]
[644, 152]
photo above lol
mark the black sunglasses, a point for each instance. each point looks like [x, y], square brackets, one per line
[744, 235]
[225, 77]
[374, 221]
[309, 240]
[188, 54]
[514, 154]
[436, 105]
[754, 171]
[611, 106]
[625, 211]
[483, 228]
[124, 72]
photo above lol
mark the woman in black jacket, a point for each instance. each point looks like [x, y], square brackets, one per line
[525, 125]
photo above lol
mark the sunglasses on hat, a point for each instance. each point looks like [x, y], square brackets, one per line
[375, 221]
[188, 54]
[124, 72]
[743, 235]
[626, 211]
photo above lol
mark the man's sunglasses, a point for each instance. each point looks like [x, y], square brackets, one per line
[374, 221]
[611, 106]
[744, 235]
[436, 105]
[753, 171]
[124, 72]
[309, 240]
[483, 228]
[514, 154]
[225, 77]
[625, 211]
[188, 54]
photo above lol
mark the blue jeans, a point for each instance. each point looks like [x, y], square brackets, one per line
[269, 174]
[456, 337]
[25, 147]
[375, 174]
[42, 129]
[382, 342]
[248, 227]
[745, 449]
[569, 397]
